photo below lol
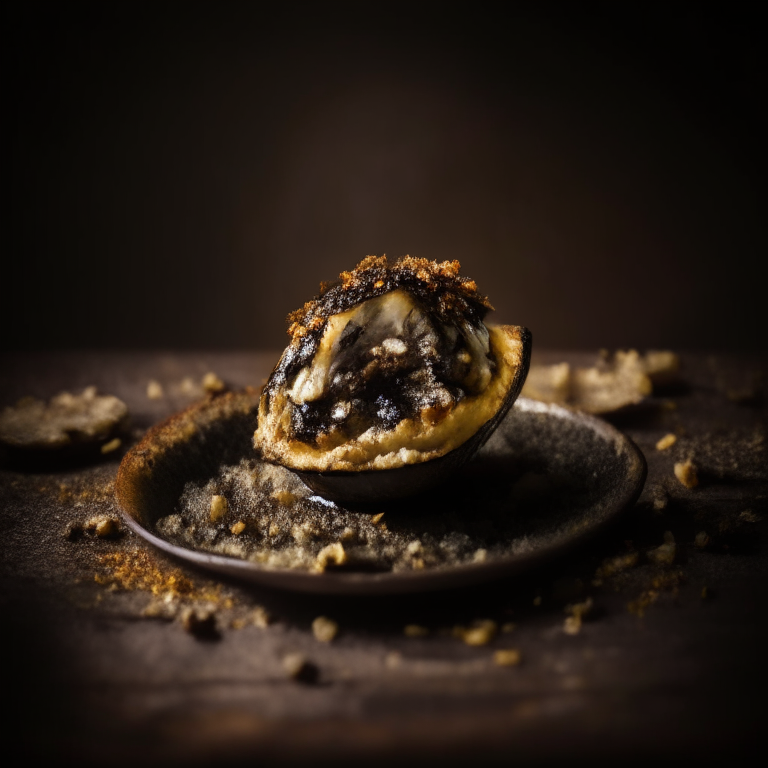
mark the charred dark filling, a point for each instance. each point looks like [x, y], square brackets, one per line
[446, 296]
[378, 380]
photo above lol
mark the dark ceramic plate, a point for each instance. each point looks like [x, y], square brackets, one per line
[548, 479]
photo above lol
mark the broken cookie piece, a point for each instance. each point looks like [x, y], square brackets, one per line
[66, 421]
[617, 381]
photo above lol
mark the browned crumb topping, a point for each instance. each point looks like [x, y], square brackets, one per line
[438, 285]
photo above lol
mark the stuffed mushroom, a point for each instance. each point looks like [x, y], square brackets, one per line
[391, 381]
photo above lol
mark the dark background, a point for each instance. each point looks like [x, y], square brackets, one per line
[184, 176]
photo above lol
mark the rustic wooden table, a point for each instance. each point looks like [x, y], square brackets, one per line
[99, 669]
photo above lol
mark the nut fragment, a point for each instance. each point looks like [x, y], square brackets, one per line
[664, 554]
[507, 657]
[666, 442]
[284, 497]
[212, 383]
[702, 540]
[299, 668]
[219, 507]
[112, 445]
[577, 611]
[155, 390]
[103, 526]
[199, 622]
[333, 554]
[107, 528]
[480, 633]
[324, 629]
[687, 474]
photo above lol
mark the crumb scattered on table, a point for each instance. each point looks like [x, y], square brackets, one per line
[481, 632]
[112, 445]
[155, 390]
[577, 612]
[507, 657]
[687, 474]
[324, 629]
[666, 552]
[212, 383]
[701, 540]
[298, 667]
[200, 622]
[666, 442]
